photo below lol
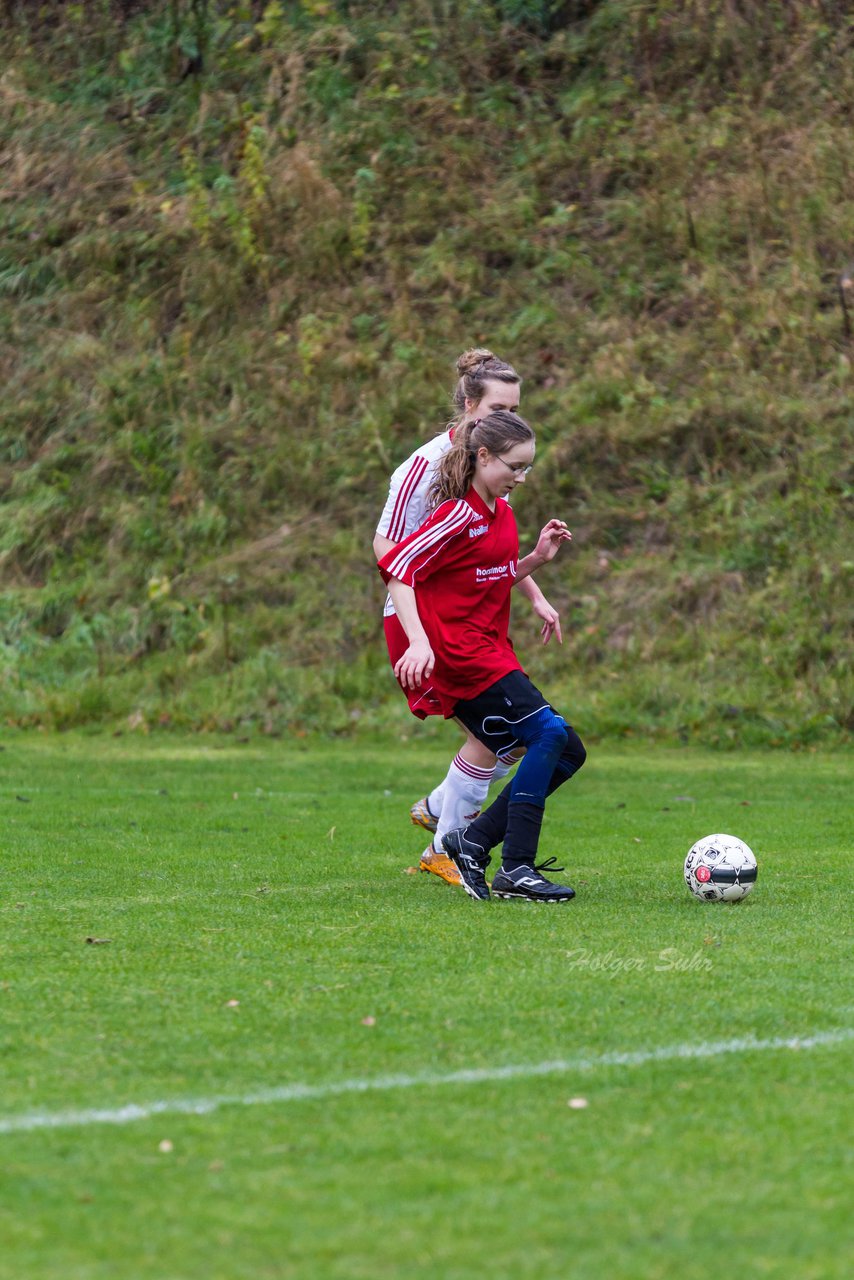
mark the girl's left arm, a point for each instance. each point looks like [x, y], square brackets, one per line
[546, 612]
[548, 544]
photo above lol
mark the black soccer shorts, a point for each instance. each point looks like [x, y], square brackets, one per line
[496, 716]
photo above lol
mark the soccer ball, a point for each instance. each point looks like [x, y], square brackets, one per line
[720, 869]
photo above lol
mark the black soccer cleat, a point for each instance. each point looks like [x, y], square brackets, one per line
[526, 882]
[470, 860]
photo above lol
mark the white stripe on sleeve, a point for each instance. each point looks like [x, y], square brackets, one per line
[431, 538]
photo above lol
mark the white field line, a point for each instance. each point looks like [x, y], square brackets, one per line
[378, 1084]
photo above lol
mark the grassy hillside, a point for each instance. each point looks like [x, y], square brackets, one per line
[242, 246]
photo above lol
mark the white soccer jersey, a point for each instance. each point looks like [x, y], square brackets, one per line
[406, 506]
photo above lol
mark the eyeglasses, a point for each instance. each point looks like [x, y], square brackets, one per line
[517, 471]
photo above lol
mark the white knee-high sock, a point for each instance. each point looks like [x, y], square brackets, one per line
[435, 798]
[465, 789]
[503, 765]
[502, 768]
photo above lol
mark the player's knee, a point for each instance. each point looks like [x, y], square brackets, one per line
[574, 753]
[549, 732]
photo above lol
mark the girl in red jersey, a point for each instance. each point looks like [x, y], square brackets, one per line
[450, 582]
[485, 384]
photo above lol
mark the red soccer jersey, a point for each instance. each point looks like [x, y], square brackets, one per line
[462, 566]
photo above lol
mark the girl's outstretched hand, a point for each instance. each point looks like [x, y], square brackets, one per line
[550, 539]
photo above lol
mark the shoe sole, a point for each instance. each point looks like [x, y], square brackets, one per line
[425, 826]
[527, 897]
[438, 874]
[428, 824]
[471, 892]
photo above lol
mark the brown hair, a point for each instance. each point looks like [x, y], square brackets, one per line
[455, 469]
[476, 368]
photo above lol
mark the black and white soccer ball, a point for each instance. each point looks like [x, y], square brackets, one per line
[720, 869]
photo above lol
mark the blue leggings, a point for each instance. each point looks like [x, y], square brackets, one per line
[554, 752]
[545, 737]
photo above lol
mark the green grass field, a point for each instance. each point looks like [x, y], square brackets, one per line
[340, 1027]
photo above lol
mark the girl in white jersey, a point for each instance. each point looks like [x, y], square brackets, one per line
[486, 384]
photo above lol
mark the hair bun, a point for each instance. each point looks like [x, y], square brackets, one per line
[471, 359]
